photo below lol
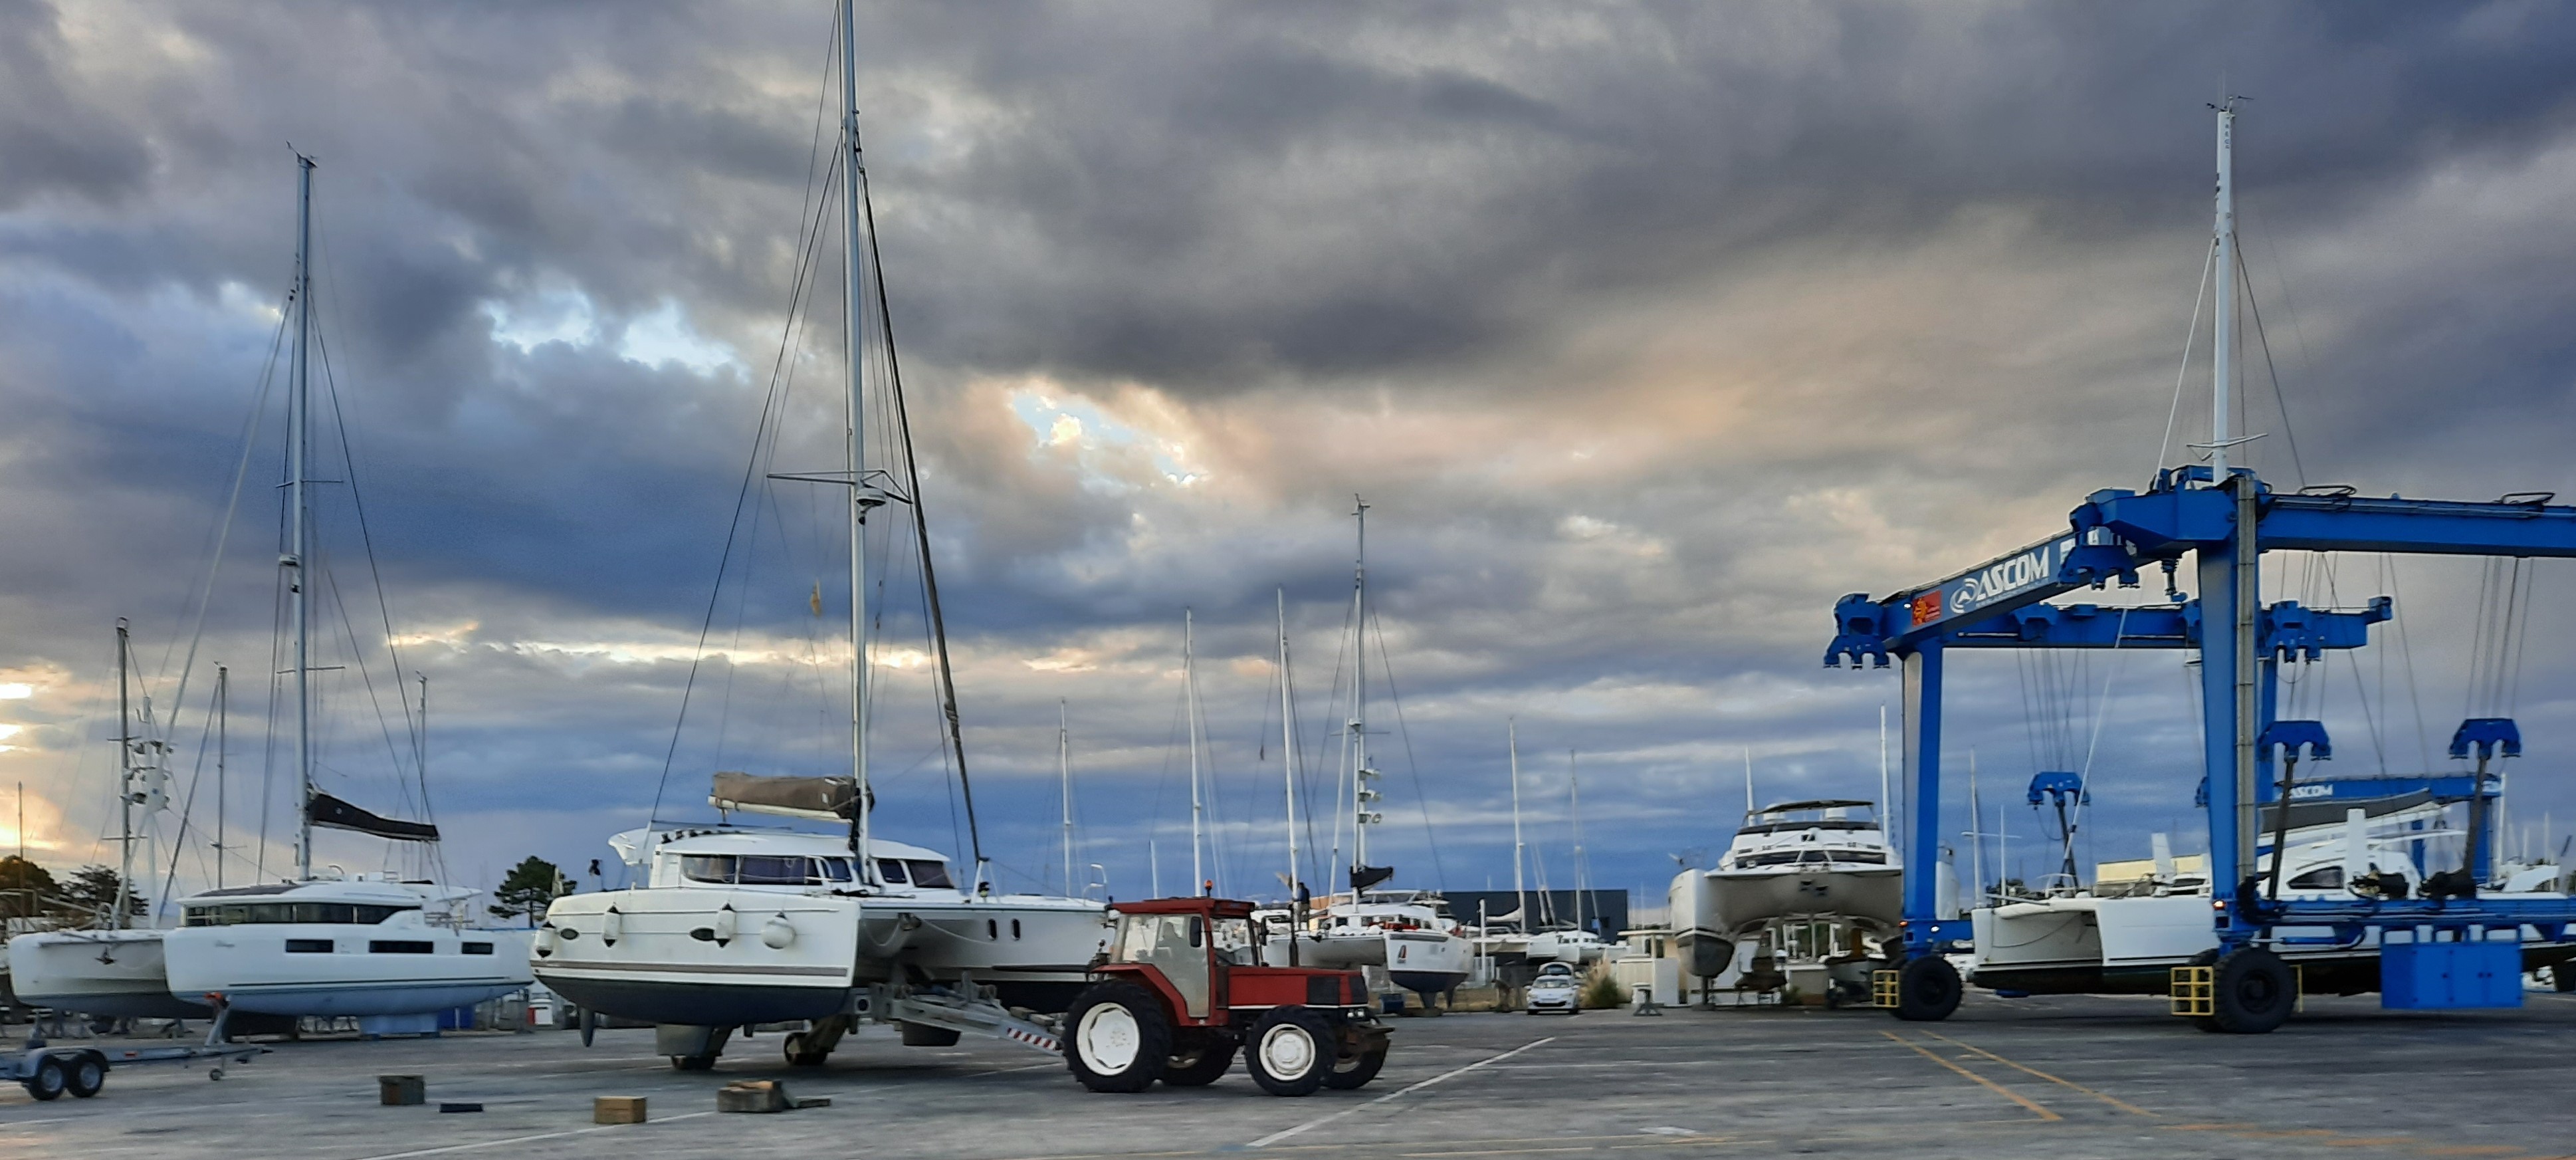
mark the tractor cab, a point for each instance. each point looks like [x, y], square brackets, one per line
[1182, 988]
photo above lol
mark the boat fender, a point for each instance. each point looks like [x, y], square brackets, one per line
[777, 933]
[612, 925]
[545, 942]
[726, 925]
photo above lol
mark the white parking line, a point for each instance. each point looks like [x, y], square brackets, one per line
[532, 1139]
[1320, 1121]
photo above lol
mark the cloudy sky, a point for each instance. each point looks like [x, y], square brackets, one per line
[1647, 330]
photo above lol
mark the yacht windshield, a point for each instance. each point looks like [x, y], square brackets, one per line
[248, 913]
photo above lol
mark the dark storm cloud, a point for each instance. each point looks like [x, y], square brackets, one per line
[1651, 328]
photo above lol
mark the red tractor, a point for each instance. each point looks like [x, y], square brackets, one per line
[1182, 989]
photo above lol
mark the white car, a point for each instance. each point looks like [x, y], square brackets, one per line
[1555, 989]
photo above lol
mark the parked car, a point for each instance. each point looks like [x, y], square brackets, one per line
[1555, 989]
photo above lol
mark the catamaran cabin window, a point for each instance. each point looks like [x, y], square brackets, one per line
[763, 869]
[2322, 878]
[930, 872]
[890, 870]
[249, 913]
[400, 947]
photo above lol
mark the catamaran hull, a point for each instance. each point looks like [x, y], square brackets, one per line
[662, 960]
[341, 969]
[113, 974]
[2129, 946]
[633, 954]
[1740, 901]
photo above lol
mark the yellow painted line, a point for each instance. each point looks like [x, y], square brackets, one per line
[1980, 1080]
[2369, 1141]
[2210, 1127]
[2114, 1101]
[2470, 1150]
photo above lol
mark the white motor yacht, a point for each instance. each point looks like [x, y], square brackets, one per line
[391, 953]
[1407, 934]
[1825, 859]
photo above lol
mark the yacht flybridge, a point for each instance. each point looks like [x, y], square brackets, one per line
[1823, 859]
[728, 925]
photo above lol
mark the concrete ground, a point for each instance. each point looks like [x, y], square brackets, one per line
[2058, 1078]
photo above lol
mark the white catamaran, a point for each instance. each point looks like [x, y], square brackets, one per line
[727, 926]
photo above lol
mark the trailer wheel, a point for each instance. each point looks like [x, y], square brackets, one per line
[1927, 989]
[693, 1063]
[1290, 1051]
[84, 1075]
[797, 1056]
[47, 1082]
[1199, 1060]
[1117, 1038]
[2254, 991]
[1354, 1071]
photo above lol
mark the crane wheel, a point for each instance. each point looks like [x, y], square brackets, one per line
[1927, 989]
[1290, 1051]
[1117, 1038]
[2253, 991]
[1199, 1060]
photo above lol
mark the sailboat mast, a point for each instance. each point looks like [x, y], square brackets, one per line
[1520, 891]
[223, 737]
[855, 431]
[299, 441]
[1288, 757]
[125, 782]
[1190, 705]
[2221, 384]
[1886, 832]
[1361, 773]
[1064, 777]
[1574, 807]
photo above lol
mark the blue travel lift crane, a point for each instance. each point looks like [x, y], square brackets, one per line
[2225, 523]
[2438, 950]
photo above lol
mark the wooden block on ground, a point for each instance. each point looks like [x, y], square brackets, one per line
[401, 1090]
[813, 1101]
[617, 1110]
[758, 1095]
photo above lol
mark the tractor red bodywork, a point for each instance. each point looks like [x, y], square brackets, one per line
[1237, 993]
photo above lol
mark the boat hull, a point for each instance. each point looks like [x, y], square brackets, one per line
[1740, 901]
[1427, 962]
[365, 970]
[2109, 946]
[1034, 952]
[114, 974]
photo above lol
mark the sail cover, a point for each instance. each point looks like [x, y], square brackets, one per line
[1363, 877]
[325, 810]
[820, 798]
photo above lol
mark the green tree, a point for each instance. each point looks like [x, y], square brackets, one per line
[528, 888]
[24, 887]
[90, 896]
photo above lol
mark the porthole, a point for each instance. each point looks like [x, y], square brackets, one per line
[992, 930]
[1015, 928]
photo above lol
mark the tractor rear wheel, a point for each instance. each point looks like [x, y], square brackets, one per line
[1199, 1060]
[1290, 1051]
[1117, 1038]
[1354, 1071]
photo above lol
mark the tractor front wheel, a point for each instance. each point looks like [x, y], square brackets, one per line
[1290, 1051]
[1117, 1038]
